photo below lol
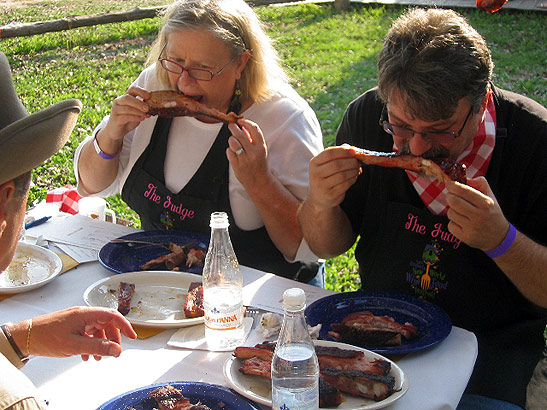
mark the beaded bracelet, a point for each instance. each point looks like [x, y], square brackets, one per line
[14, 346]
[505, 245]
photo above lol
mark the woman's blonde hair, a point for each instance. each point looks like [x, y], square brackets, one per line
[234, 23]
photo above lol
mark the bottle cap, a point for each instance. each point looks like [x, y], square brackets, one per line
[219, 220]
[294, 299]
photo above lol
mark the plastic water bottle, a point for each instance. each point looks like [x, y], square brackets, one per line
[295, 369]
[222, 289]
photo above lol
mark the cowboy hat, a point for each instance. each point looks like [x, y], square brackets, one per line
[28, 140]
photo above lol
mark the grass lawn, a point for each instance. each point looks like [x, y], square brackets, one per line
[329, 55]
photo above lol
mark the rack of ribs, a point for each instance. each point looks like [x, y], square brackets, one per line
[341, 370]
[364, 328]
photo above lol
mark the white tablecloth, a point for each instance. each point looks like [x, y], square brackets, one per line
[437, 376]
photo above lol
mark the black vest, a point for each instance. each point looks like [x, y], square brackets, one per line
[190, 209]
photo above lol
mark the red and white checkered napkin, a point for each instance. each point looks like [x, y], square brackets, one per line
[66, 197]
[476, 157]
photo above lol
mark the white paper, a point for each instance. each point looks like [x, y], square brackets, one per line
[193, 337]
[80, 237]
[80, 231]
[80, 255]
[85, 232]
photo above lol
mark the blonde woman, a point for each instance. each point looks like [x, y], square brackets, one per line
[174, 173]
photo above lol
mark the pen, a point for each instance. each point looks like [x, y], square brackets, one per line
[37, 222]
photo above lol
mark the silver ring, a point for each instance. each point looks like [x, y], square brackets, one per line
[240, 151]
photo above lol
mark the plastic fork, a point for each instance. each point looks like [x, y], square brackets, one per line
[255, 313]
[129, 242]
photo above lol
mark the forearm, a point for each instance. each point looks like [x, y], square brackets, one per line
[328, 232]
[278, 207]
[13, 342]
[525, 264]
[96, 173]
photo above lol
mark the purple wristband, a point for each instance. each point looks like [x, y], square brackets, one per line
[100, 151]
[505, 245]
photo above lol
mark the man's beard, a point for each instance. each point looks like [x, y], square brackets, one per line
[432, 153]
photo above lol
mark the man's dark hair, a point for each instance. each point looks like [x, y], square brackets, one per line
[433, 58]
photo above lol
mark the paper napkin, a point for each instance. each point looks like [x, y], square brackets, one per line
[193, 337]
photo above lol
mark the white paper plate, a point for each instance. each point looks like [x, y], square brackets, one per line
[258, 388]
[158, 300]
[32, 267]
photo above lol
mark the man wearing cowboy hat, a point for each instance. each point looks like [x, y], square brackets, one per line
[26, 141]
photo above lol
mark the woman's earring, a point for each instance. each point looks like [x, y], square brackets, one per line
[235, 104]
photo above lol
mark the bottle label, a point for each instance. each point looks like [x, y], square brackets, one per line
[223, 307]
[291, 400]
[217, 320]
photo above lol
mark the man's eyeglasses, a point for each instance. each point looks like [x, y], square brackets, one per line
[445, 137]
[200, 74]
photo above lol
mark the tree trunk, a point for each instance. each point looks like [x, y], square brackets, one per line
[40, 27]
[341, 4]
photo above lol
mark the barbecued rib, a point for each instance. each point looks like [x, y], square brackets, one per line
[246, 352]
[443, 169]
[372, 386]
[169, 104]
[193, 305]
[344, 359]
[125, 294]
[257, 366]
[195, 257]
[365, 328]
[170, 398]
[329, 396]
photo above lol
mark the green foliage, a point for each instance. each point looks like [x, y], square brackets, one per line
[329, 55]
[342, 272]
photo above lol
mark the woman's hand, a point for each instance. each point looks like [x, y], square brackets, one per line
[247, 153]
[127, 112]
[77, 330]
[96, 173]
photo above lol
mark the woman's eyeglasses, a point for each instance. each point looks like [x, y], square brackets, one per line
[445, 137]
[200, 74]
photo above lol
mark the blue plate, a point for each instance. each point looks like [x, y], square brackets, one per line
[432, 322]
[122, 257]
[211, 395]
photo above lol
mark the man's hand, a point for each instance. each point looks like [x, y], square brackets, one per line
[475, 215]
[332, 172]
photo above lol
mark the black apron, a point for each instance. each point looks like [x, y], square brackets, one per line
[434, 265]
[190, 209]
